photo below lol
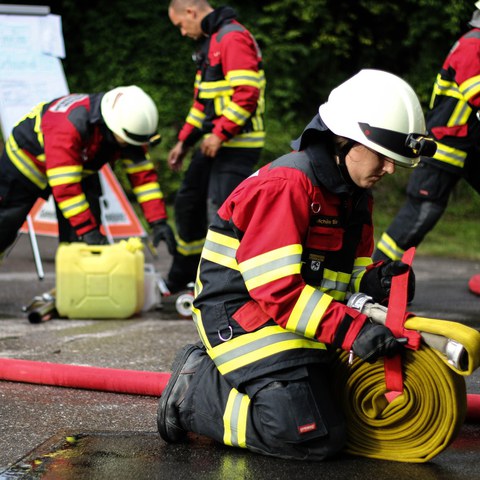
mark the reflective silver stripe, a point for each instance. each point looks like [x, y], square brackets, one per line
[148, 191]
[248, 138]
[238, 116]
[331, 285]
[388, 246]
[474, 86]
[79, 204]
[357, 271]
[255, 345]
[235, 419]
[221, 249]
[293, 259]
[209, 89]
[30, 171]
[74, 176]
[307, 312]
[254, 78]
[461, 116]
[449, 155]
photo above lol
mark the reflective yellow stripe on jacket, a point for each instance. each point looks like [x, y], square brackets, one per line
[148, 191]
[388, 246]
[237, 78]
[236, 114]
[64, 175]
[271, 266]
[221, 249]
[195, 117]
[25, 164]
[20, 158]
[359, 267]
[470, 87]
[132, 167]
[189, 248]
[444, 87]
[73, 206]
[308, 312]
[209, 90]
[335, 283]
[450, 155]
[246, 140]
[252, 347]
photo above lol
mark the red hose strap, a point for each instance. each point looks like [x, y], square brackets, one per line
[397, 306]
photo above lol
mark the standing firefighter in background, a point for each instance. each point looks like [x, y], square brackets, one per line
[280, 257]
[454, 122]
[60, 142]
[226, 113]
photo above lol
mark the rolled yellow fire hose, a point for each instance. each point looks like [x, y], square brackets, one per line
[421, 422]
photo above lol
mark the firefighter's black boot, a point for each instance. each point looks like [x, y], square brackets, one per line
[184, 368]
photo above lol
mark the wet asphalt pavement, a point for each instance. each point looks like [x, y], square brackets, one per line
[64, 433]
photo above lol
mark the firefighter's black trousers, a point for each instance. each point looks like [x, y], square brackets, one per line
[291, 414]
[206, 185]
[428, 192]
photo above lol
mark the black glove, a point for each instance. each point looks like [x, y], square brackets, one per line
[377, 281]
[94, 237]
[374, 341]
[161, 230]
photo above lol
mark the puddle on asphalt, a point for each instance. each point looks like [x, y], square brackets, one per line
[139, 455]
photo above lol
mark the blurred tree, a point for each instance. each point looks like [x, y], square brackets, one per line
[308, 46]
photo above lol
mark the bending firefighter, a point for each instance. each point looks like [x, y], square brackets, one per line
[453, 121]
[281, 257]
[226, 118]
[59, 143]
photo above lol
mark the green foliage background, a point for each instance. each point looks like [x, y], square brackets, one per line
[309, 46]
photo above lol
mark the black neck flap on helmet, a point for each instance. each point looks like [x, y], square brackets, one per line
[342, 151]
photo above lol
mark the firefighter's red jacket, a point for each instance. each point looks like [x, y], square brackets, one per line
[279, 259]
[54, 146]
[453, 118]
[229, 85]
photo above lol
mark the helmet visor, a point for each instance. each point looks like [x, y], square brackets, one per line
[410, 145]
[136, 137]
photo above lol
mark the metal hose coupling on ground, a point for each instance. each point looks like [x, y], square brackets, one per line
[41, 308]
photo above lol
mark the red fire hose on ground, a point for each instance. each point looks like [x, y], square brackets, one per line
[136, 382]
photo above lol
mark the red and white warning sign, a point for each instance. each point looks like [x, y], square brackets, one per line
[117, 211]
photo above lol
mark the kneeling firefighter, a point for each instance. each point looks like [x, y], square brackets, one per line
[284, 252]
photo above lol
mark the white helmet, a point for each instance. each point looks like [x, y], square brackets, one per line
[381, 111]
[131, 114]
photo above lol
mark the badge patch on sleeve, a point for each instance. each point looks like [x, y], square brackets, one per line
[315, 261]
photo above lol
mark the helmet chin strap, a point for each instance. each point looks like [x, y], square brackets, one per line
[342, 151]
